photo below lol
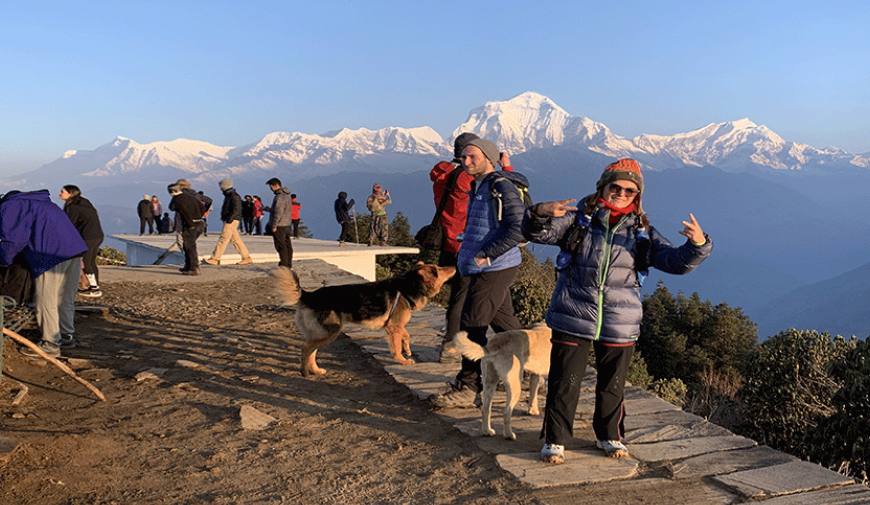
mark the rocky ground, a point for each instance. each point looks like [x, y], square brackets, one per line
[213, 345]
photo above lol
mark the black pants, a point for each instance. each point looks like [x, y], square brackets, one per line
[458, 291]
[258, 226]
[90, 257]
[188, 245]
[248, 224]
[295, 223]
[487, 304]
[142, 221]
[347, 232]
[281, 238]
[567, 367]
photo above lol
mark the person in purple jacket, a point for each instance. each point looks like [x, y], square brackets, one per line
[38, 232]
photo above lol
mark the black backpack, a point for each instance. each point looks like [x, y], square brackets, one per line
[523, 190]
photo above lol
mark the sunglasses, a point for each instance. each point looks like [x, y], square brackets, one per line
[616, 188]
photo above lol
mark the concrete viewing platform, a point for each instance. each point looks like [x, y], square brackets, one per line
[358, 259]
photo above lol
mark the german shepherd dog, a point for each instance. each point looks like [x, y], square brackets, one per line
[504, 358]
[321, 314]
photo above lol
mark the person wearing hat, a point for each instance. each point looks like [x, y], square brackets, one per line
[231, 214]
[188, 212]
[377, 204]
[451, 185]
[606, 248]
[280, 222]
[489, 256]
[146, 215]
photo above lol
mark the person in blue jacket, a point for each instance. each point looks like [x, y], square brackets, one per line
[34, 229]
[606, 248]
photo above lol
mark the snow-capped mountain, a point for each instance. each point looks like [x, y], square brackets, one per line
[531, 120]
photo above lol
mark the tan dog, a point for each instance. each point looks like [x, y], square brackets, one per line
[321, 314]
[505, 357]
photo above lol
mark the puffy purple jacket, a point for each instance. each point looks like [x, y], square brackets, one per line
[32, 225]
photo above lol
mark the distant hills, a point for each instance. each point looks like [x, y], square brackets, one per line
[783, 215]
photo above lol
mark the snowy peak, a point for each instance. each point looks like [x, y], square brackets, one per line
[126, 155]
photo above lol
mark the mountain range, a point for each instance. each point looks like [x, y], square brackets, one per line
[525, 122]
[786, 217]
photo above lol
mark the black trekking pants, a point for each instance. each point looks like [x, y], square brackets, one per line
[188, 245]
[487, 304]
[567, 368]
[458, 291]
[281, 239]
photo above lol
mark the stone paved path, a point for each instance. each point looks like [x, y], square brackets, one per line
[677, 457]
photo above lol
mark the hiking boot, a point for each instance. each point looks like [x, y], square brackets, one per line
[46, 347]
[90, 292]
[462, 398]
[246, 261]
[612, 448]
[211, 261]
[553, 454]
[190, 272]
[67, 340]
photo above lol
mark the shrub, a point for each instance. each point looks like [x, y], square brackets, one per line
[532, 289]
[637, 373]
[789, 388]
[843, 440]
[671, 390]
[111, 256]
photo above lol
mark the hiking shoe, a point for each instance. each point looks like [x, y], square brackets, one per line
[211, 261]
[553, 454]
[47, 347]
[462, 398]
[90, 292]
[246, 261]
[190, 272]
[612, 448]
[67, 340]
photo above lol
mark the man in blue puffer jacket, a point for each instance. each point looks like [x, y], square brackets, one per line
[51, 247]
[490, 257]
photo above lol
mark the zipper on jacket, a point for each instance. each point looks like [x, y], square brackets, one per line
[603, 269]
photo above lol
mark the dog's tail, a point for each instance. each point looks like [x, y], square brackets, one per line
[287, 283]
[467, 348]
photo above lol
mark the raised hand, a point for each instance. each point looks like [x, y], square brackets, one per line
[692, 231]
[556, 208]
[504, 160]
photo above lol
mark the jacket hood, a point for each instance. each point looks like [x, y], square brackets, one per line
[342, 196]
[514, 177]
[41, 195]
[283, 190]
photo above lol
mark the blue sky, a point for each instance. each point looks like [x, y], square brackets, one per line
[76, 74]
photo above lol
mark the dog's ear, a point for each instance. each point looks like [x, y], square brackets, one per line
[429, 274]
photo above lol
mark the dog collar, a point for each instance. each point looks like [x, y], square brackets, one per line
[399, 296]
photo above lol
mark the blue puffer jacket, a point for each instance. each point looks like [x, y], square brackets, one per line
[485, 235]
[597, 295]
[30, 224]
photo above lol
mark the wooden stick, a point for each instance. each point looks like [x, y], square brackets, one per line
[67, 370]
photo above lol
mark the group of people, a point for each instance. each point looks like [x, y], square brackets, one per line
[57, 251]
[151, 214]
[379, 226]
[607, 246]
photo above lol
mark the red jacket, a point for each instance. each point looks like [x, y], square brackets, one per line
[295, 210]
[456, 208]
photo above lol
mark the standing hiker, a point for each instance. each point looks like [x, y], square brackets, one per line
[295, 214]
[343, 214]
[35, 229]
[280, 222]
[450, 186]
[258, 215]
[489, 257]
[377, 204]
[607, 247]
[84, 217]
[188, 213]
[231, 213]
[146, 216]
[248, 214]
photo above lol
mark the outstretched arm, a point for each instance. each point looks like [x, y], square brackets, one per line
[547, 222]
[682, 259]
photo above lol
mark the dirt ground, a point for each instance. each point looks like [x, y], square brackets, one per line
[353, 437]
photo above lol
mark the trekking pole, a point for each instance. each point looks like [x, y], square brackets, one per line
[355, 229]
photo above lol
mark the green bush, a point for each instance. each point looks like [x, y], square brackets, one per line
[111, 256]
[532, 289]
[637, 373]
[789, 389]
[843, 440]
[671, 390]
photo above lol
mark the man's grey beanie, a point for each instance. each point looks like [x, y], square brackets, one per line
[225, 184]
[489, 150]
